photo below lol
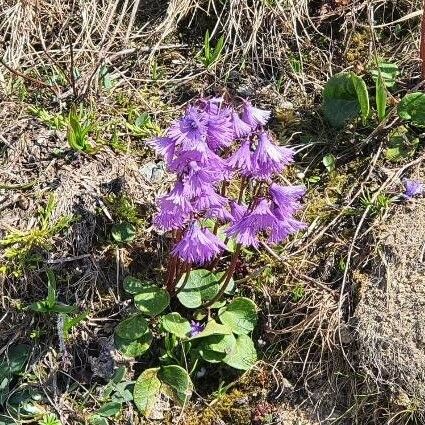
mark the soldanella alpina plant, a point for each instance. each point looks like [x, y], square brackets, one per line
[224, 198]
[224, 161]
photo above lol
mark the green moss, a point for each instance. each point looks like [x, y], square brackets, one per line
[123, 209]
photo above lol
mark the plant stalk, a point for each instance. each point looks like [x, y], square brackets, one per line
[226, 278]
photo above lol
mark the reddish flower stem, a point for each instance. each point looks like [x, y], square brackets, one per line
[226, 277]
[171, 273]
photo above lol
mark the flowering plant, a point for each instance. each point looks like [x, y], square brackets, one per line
[224, 198]
[209, 149]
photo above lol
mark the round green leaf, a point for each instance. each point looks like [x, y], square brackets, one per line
[412, 108]
[202, 285]
[133, 285]
[345, 97]
[152, 300]
[213, 328]
[240, 315]
[134, 348]
[132, 328]
[177, 383]
[110, 409]
[146, 390]
[244, 355]
[176, 324]
[212, 356]
[123, 232]
[219, 343]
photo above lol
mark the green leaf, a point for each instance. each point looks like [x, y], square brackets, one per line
[244, 355]
[133, 285]
[176, 324]
[329, 162]
[388, 72]
[62, 308]
[98, 420]
[202, 285]
[15, 360]
[213, 328]
[152, 300]
[109, 409]
[362, 96]
[51, 288]
[345, 97]
[119, 375]
[40, 307]
[212, 356]
[172, 381]
[123, 232]
[177, 383]
[146, 390]
[401, 144]
[71, 322]
[132, 328]
[214, 348]
[381, 98]
[412, 108]
[133, 348]
[240, 316]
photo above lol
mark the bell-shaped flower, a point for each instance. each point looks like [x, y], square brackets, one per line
[253, 116]
[268, 158]
[189, 129]
[240, 127]
[241, 160]
[260, 219]
[198, 245]
[164, 146]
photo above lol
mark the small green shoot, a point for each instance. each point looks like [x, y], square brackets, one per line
[142, 125]
[50, 304]
[329, 162]
[80, 124]
[387, 72]
[210, 55]
[298, 293]
[49, 419]
[52, 120]
[377, 206]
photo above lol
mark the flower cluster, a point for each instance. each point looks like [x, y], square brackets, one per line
[210, 146]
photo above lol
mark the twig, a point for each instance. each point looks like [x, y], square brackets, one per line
[26, 77]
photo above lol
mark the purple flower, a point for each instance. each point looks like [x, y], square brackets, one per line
[199, 178]
[198, 246]
[240, 127]
[195, 328]
[209, 198]
[176, 197]
[246, 230]
[269, 158]
[191, 128]
[283, 228]
[413, 188]
[171, 216]
[237, 210]
[286, 198]
[254, 116]
[219, 130]
[220, 213]
[163, 146]
[242, 158]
